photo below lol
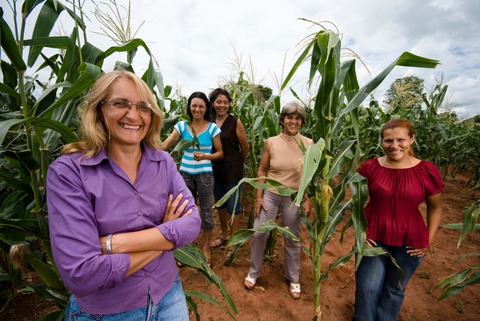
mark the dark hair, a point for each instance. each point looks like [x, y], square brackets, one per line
[292, 108]
[398, 122]
[202, 96]
[214, 95]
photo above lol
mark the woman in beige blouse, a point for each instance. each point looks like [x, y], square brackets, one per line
[281, 160]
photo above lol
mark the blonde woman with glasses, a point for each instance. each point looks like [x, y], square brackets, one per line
[118, 207]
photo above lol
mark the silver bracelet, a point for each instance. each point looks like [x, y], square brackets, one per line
[108, 244]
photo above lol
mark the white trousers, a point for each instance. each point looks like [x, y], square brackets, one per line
[290, 218]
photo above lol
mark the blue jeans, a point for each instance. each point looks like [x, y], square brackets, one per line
[172, 306]
[380, 286]
[220, 189]
[201, 185]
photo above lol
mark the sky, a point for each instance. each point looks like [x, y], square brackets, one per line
[199, 44]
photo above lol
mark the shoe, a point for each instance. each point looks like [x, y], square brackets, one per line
[179, 264]
[218, 242]
[249, 283]
[295, 290]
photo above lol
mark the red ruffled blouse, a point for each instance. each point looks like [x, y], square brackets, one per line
[395, 194]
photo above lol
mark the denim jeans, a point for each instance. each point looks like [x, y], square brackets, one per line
[201, 185]
[380, 286]
[220, 189]
[172, 306]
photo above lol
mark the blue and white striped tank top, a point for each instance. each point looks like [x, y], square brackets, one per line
[205, 144]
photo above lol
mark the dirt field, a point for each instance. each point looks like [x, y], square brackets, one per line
[271, 301]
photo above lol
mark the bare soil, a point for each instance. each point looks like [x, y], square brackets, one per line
[270, 300]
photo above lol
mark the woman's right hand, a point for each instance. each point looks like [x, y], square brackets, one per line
[174, 209]
[371, 242]
[259, 204]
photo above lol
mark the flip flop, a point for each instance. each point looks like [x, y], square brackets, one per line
[295, 290]
[249, 282]
[218, 242]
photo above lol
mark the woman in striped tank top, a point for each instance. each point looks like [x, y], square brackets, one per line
[196, 164]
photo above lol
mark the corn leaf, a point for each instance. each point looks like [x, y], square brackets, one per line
[192, 256]
[47, 18]
[210, 299]
[89, 75]
[311, 162]
[46, 273]
[242, 236]
[9, 45]
[406, 59]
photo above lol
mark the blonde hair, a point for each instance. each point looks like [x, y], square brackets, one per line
[93, 131]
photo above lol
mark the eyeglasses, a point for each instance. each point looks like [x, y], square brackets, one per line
[142, 107]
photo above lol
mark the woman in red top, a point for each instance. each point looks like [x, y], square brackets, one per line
[398, 183]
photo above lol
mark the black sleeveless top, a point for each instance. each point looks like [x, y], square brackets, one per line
[229, 169]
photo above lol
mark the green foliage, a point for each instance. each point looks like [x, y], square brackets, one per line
[456, 282]
[242, 236]
[425, 274]
[460, 306]
[406, 92]
[193, 257]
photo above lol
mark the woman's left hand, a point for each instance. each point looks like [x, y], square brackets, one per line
[198, 156]
[416, 252]
[174, 209]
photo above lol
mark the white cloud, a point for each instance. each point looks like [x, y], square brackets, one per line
[197, 42]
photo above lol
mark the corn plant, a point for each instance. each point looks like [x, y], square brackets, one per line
[36, 118]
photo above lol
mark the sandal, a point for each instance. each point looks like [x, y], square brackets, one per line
[249, 282]
[218, 242]
[295, 290]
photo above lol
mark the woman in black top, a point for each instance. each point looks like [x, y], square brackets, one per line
[228, 171]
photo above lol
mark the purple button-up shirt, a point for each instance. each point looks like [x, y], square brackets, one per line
[89, 197]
